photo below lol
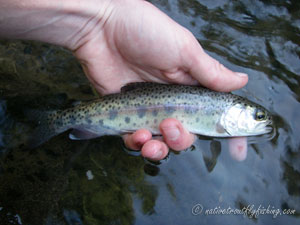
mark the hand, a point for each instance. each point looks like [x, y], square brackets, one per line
[137, 42]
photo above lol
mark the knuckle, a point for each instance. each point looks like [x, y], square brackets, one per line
[215, 77]
[172, 75]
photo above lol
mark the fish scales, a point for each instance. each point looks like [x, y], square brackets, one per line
[145, 105]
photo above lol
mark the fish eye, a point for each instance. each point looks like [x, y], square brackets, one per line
[260, 115]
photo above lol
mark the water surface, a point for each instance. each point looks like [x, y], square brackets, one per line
[98, 182]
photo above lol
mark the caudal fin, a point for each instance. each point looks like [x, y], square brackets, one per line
[45, 127]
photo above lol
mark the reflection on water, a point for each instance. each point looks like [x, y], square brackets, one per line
[98, 182]
[2, 122]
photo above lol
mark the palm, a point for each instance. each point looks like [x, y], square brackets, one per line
[131, 50]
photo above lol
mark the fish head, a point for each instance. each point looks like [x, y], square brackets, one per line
[247, 119]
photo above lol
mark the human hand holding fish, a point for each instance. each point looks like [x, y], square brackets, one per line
[120, 42]
[149, 46]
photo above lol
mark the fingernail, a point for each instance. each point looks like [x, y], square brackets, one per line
[241, 74]
[171, 133]
[157, 154]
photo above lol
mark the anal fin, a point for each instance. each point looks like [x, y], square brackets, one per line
[85, 133]
[77, 134]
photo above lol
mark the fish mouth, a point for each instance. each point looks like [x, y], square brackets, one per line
[269, 128]
[271, 131]
[265, 128]
[269, 134]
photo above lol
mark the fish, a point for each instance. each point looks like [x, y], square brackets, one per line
[144, 105]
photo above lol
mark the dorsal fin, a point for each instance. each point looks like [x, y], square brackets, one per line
[137, 85]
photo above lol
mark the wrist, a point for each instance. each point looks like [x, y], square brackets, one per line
[82, 19]
[66, 23]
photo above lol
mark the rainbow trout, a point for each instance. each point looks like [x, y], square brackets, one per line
[145, 105]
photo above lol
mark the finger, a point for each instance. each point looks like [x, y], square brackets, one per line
[209, 72]
[136, 140]
[175, 135]
[238, 148]
[155, 150]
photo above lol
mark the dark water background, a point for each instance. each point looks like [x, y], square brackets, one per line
[98, 182]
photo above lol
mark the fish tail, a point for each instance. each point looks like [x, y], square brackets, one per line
[47, 126]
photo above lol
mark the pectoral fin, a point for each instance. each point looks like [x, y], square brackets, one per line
[220, 129]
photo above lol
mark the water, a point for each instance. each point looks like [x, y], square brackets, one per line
[98, 182]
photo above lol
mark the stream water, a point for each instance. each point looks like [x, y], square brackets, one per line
[66, 182]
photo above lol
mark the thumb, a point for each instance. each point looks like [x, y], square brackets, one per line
[210, 72]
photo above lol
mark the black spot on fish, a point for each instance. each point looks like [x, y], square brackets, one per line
[141, 112]
[191, 110]
[169, 109]
[101, 122]
[155, 112]
[58, 123]
[127, 119]
[113, 114]
[72, 120]
[89, 121]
